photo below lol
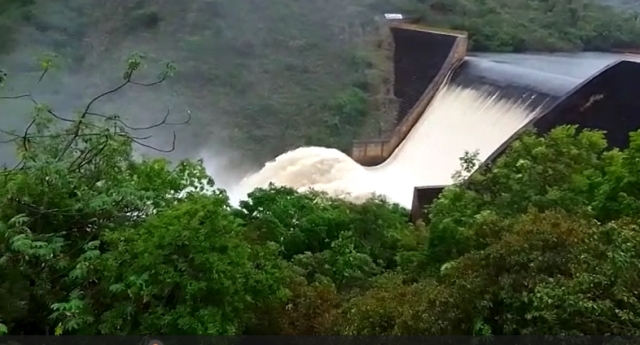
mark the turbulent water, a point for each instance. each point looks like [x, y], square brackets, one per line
[456, 121]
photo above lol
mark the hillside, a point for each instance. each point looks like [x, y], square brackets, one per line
[257, 77]
[537, 25]
[260, 79]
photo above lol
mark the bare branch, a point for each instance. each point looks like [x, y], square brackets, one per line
[44, 72]
[83, 115]
[26, 95]
[173, 145]
[85, 154]
[159, 81]
[17, 137]
[161, 123]
[25, 139]
[82, 159]
[59, 117]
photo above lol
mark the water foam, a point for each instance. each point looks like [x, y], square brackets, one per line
[316, 168]
[457, 120]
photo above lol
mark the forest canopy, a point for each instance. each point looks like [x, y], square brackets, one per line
[535, 25]
[95, 241]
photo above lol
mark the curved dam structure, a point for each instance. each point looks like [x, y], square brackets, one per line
[448, 104]
[431, 67]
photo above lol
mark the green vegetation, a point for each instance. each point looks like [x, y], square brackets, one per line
[536, 25]
[263, 79]
[11, 11]
[93, 241]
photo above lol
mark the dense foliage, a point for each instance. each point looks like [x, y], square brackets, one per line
[93, 241]
[537, 25]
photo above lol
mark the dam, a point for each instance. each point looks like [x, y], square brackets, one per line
[451, 103]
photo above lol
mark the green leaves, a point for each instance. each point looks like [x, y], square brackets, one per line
[497, 25]
[134, 63]
[564, 170]
[77, 180]
[191, 252]
[72, 313]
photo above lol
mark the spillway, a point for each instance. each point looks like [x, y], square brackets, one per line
[449, 104]
[458, 119]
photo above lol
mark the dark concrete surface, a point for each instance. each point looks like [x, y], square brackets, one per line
[417, 59]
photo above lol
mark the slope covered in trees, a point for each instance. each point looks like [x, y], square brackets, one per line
[537, 25]
[263, 78]
[94, 241]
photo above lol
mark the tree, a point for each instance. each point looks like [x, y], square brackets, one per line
[335, 249]
[562, 170]
[543, 273]
[544, 241]
[173, 276]
[75, 178]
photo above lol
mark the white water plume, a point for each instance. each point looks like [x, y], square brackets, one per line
[457, 120]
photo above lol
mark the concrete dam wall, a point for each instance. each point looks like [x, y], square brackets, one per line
[425, 59]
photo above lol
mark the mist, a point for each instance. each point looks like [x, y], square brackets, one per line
[245, 69]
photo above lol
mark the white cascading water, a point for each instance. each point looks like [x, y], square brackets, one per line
[457, 120]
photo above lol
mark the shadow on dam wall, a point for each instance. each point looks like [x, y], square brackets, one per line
[423, 59]
[426, 58]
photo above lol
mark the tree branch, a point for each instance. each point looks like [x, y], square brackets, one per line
[75, 130]
[161, 123]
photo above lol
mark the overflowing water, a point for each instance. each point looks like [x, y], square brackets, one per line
[457, 120]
